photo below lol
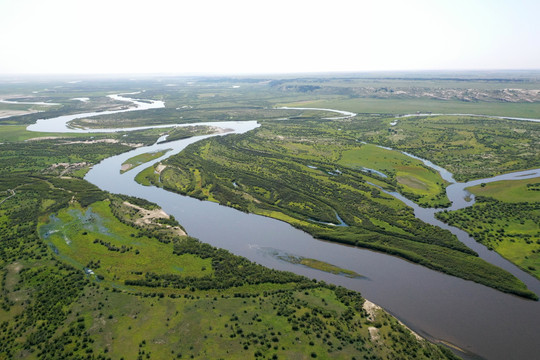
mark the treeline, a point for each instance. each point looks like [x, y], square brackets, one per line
[229, 271]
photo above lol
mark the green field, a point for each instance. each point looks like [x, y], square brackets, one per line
[88, 274]
[419, 182]
[411, 106]
[468, 147]
[82, 237]
[506, 219]
[152, 293]
[11, 133]
[512, 191]
[135, 161]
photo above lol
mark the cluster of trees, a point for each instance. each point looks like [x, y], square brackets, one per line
[506, 227]
[229, 271]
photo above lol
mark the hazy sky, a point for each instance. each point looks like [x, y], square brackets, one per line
[260, 36]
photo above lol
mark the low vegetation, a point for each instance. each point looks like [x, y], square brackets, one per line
[85, 274]
[506, 219]
[320, 265]
[182, 132]
[469, 147]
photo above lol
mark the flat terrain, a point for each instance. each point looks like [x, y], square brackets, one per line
[506, 218]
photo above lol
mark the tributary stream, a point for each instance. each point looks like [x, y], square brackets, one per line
[482, 321]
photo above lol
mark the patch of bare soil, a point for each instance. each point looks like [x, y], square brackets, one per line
[148, 217]
[9, 113]
[65, 168]
[160, 168]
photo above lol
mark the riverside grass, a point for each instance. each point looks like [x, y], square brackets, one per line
[505, 218]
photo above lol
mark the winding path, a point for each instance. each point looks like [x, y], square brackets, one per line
[12, 194]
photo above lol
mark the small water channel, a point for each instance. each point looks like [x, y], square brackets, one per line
[475, 318]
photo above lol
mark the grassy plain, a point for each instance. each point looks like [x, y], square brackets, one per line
[152, 294]
[139, 306]
[412, 176]
[412, 106]
[512, 191]
[11, 133]
[468, 147]
[92, 236]
[506, 219]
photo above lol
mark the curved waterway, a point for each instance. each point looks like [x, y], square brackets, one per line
[481, 321]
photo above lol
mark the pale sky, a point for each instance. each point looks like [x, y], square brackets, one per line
[260, 36]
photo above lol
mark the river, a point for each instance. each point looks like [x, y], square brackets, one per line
[481, 321]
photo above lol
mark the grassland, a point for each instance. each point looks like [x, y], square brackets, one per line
[85, 237]
[412, 106]
[194, 115]
[203, 302]
[511, 191]
[506, 219]
[12, 133]
[412, 177]
[183, 132]
[468, 147]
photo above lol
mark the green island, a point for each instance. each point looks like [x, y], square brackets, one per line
[506, 219]
[140, 159]
[320, 265]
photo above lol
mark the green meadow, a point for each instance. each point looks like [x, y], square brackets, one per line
[412, 176]
[85, 274]
[505, 218]
[512, 191]
[412, 106]
[92, 236]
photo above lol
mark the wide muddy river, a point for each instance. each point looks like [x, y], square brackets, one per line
[483, 322]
